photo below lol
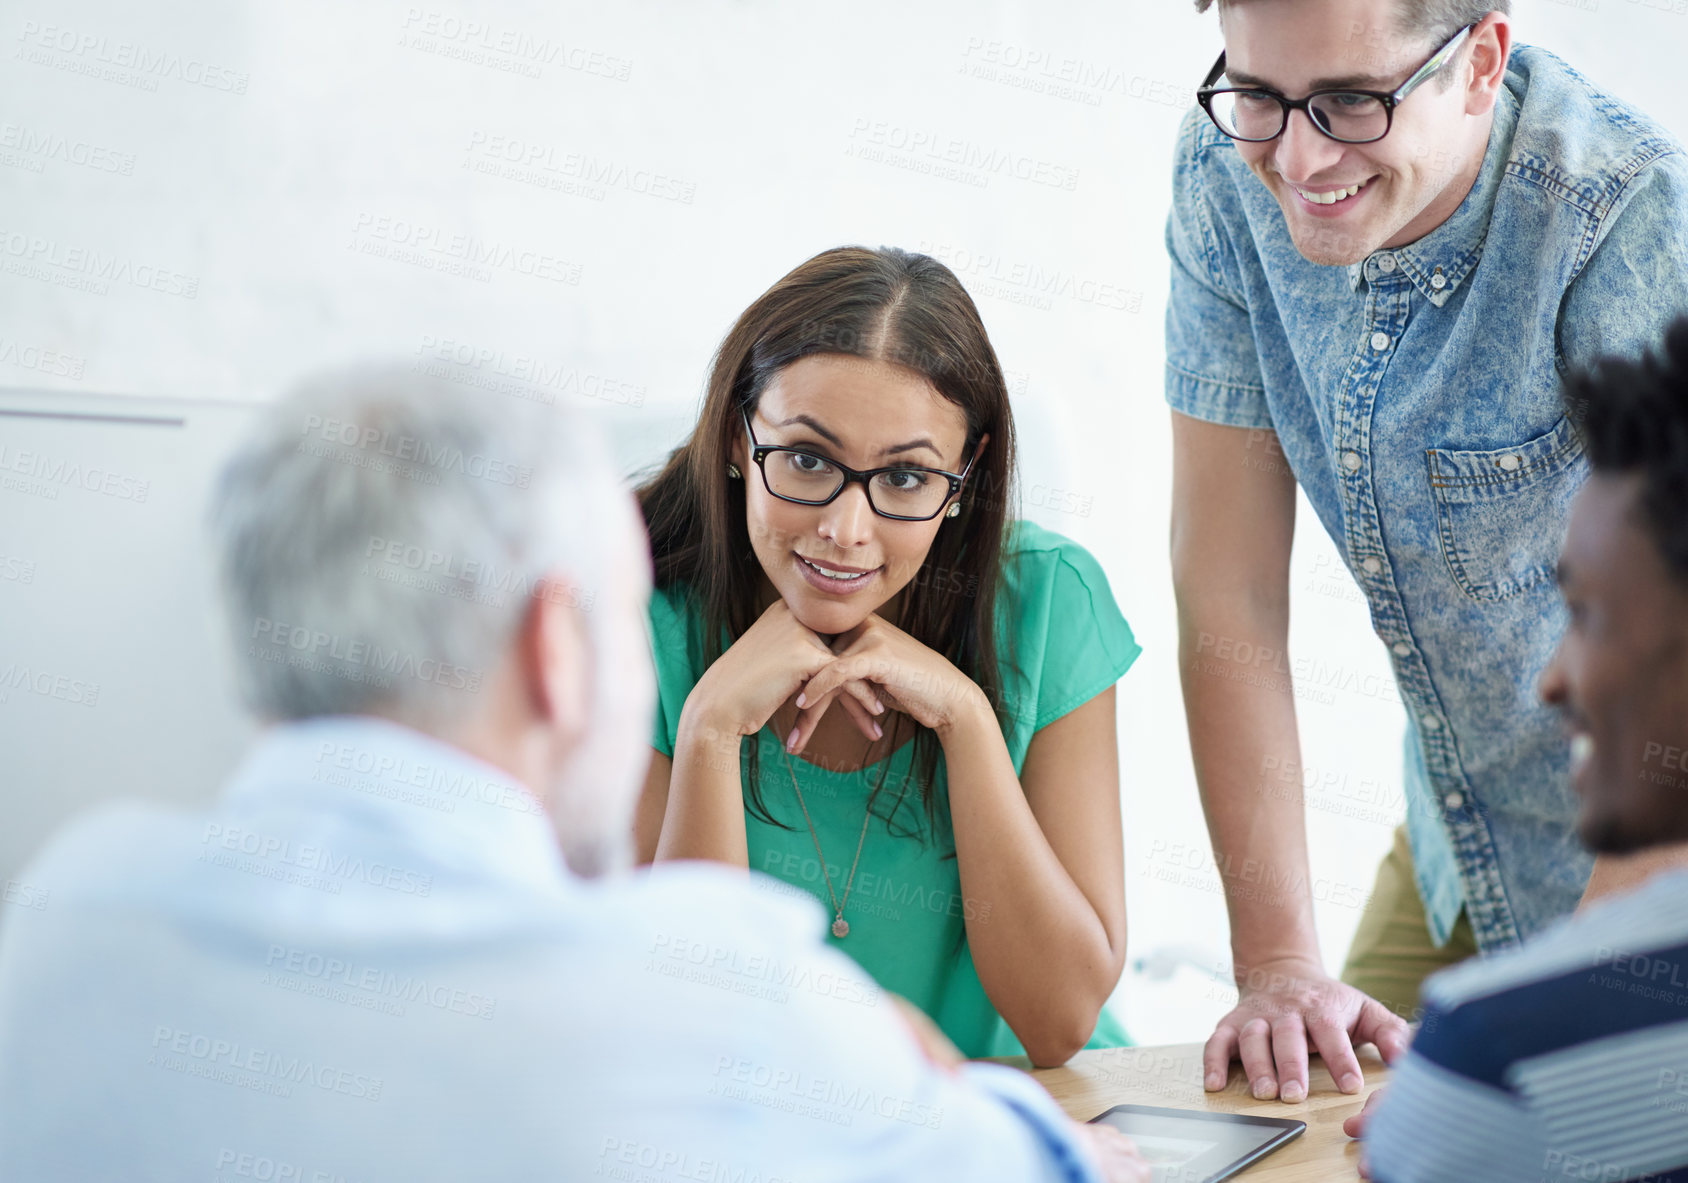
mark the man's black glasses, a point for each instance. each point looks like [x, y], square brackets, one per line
[1255, 115]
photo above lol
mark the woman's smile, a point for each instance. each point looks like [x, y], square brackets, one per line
[835, 579]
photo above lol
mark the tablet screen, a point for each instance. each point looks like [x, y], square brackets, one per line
[1194, 1146]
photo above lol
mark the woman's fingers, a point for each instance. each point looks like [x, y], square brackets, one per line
[827, 683]
[865, 723]
[870, 700]
[857, 699]
[831, 677]
[809, 714]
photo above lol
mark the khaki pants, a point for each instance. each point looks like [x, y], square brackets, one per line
[1392, 952]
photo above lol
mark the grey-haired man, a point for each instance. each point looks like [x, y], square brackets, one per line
[376, 958]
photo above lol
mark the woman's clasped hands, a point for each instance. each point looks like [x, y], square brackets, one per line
[872, 668]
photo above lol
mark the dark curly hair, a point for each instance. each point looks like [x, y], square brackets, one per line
[1633, 415]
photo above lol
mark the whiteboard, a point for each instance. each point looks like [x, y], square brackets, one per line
[114, 673]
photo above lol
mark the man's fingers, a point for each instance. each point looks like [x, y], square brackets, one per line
[1116, 1155]
[1254, 1043]
[1382, 1026]
[1221, 1049]
[1331, 1038]
[1355, 1124]
[1289, 1049]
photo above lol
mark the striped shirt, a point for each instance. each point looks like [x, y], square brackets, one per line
[1564, 1060]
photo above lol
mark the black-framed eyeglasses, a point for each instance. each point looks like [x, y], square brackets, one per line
[903, 492]
[1255, 115]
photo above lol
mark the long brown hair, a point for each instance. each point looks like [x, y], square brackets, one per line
[886, 305]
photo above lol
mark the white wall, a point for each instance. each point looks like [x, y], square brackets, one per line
[256, 180]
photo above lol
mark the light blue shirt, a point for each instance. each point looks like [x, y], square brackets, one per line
[1416, 396]
[370, 963]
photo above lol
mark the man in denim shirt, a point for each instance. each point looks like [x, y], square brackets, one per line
[1374, 296]
[1567, 1058]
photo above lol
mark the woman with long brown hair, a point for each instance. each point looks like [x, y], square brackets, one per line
[874, 684]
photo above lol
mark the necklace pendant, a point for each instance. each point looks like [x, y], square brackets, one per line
[840, 927]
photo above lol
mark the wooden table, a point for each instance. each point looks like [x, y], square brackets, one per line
[1094, 1081]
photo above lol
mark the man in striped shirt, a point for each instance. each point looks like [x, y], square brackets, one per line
[1568, 1059]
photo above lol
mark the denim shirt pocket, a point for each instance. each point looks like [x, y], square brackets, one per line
[1501, 514]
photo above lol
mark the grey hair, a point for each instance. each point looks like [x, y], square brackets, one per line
[380, 534]
[1426, 18]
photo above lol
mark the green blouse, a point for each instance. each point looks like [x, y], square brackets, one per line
[905, 910]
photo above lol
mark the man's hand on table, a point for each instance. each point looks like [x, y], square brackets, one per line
[1115, 1154]
[1286, 1007]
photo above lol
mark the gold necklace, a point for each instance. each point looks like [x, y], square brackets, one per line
[840, 926]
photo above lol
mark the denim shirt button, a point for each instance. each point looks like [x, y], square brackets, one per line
[1431, 722]
[1372, 565]
[1351, 461]
[1401, 649]
[1509, 462]
[1386, 264]
[1438, 281]
[1380, 341]
[1454, 799]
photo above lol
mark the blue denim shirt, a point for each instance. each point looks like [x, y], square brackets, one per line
[1416, 396]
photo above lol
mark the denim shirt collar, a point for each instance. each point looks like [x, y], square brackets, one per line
[1440, 261]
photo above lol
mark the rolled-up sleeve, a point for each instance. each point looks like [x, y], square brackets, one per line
[1212, 369]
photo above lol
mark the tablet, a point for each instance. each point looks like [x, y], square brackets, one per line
[1196, 1146]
